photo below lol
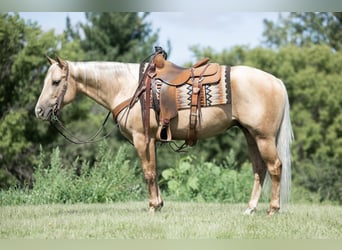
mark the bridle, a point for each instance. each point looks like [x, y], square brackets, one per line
[60, 98]
[58, 125]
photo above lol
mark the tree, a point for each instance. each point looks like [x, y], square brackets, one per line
[117, 36]
[301, 29]
[23, 68]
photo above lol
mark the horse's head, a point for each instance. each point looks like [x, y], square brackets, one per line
[58, 90]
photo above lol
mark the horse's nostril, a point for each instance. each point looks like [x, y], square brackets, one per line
[39, 112]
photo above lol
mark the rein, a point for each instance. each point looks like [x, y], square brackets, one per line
[58, 125]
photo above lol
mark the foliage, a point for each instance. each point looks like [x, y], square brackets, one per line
[196, 180]
[15, 144]
[108, 180]
[23, 66]
[302, 29]
[112, 36]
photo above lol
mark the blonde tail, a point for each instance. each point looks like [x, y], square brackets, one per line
[284, 140]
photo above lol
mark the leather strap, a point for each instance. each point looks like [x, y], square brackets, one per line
[143, 93]
[195, 108]
[151, 71]
[116, 111]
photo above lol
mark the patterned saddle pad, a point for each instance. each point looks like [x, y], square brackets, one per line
[211, 94]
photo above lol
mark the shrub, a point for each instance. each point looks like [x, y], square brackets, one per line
[197, 180]
[109, 179]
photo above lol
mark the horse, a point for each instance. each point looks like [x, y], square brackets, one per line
[259, 106]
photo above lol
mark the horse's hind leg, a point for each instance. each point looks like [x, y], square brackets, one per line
[259, 171]
[269, 154]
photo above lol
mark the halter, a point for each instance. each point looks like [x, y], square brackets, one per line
[58, 125]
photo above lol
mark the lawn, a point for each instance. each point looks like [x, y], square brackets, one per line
[177, 220]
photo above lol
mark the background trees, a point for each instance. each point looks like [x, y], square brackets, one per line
[303, 49]
[302, 29]
[22, 72]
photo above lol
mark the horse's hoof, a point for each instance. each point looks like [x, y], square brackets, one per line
[250, 211]
[154, 209]
[272, 211]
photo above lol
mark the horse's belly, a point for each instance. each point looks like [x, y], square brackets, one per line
[214, 120]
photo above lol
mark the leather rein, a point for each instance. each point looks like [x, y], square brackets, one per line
[58, 125]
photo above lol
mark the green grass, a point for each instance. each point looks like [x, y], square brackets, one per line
[177, 220]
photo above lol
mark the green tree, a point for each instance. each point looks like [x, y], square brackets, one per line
[301, 29]
[117, 36]
[23, 68]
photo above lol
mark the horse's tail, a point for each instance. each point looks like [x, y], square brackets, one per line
[284, 139]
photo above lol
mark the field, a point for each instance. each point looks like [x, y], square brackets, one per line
[177, 220]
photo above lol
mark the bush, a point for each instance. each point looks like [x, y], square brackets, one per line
[110, 179]
[197, 180]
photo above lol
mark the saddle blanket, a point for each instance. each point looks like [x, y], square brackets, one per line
[211, 94]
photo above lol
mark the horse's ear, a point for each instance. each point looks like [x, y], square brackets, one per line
[51, 61]
[61, 62]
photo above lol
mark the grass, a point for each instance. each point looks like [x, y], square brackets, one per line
[178, 220]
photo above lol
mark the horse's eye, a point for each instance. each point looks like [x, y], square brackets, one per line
[56, 82]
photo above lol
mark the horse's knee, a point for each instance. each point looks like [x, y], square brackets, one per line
[149, 176]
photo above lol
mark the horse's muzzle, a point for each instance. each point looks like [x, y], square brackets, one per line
[43, 113]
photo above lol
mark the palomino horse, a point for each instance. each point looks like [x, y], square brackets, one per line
[259, 106]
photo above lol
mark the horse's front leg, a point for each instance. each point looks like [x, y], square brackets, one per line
[147, 155]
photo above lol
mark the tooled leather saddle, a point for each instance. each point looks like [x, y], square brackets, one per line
[162, 98]
[173, 76]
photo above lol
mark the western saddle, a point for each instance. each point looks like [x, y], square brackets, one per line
[171, 77]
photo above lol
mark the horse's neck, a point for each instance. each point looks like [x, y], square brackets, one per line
[108, 83]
